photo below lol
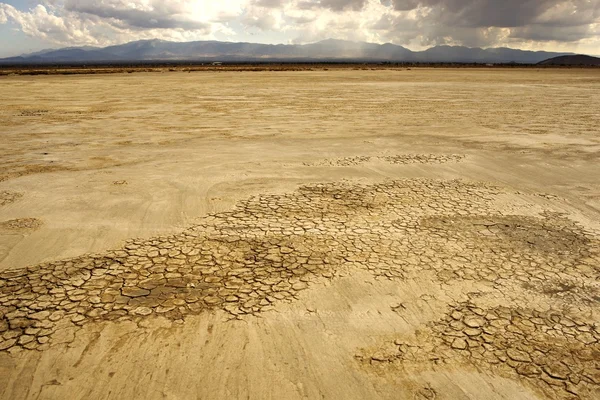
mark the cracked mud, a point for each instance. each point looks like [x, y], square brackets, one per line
[271, 247]
[555, 352]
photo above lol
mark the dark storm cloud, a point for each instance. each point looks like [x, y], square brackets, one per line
[335, 5]
[162, 15]
[340, 5]
[480, 13]
[557, 33]
[472, 20]
[505, 13]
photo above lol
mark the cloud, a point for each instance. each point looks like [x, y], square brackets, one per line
[263, 16]
[105, 22]
[173, 14]
[41, 23]
[341, 5]
[519, 14]
[269, 3]
[492, 22]
[416, 23]
[144, 15]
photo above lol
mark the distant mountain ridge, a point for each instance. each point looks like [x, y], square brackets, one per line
[577, 59]
[326, 50]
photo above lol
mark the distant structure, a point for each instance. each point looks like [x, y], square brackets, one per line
[217, 63]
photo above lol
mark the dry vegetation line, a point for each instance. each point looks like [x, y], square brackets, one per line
[21, 224]
[403, 159]
[7, 197]
[271, 247]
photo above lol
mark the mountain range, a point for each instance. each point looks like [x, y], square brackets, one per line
[326, 50]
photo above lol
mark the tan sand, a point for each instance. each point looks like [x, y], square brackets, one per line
[401, 234]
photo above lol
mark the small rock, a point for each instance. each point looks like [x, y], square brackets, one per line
[143, 311]
[12, 334]
[26, 339]
[13, 274]
[32, 331]
[20, 323]
[474, 322]
[134, 292]
[557, 370]
[7, 344]
[43, 340]
[211, 300]
[55, 316]
[96, 312]
[528, 370]
[77, 282]
[593, 375]
[472, 332]
[380, 357]
[459, 344]
[518, 355]
[586, 338]
[456, 315]
[162, 310]
[78, 318]
[31, 345]
[299, 286]
[107, 298]
[40, 315]
[552, 381]
[573, 389]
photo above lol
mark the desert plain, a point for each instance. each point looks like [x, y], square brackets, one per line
[324, 234]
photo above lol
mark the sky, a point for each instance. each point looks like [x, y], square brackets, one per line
[552, 25]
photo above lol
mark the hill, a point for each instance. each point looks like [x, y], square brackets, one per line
[577, 59]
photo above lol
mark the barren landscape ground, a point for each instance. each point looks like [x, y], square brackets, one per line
[340, 234]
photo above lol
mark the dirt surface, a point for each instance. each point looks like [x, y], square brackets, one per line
[407, 234]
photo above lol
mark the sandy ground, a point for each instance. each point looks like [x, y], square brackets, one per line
[410, 234]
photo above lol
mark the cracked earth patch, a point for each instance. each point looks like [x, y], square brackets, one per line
[21, 224]
[554, 351]
[404, 159]
[269, 248]
[7, 197]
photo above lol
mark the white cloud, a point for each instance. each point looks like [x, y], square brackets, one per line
[44, 24]
[110, 22]
[416, 23]
[262, 16]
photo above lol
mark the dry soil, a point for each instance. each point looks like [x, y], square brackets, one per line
[341, 234]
